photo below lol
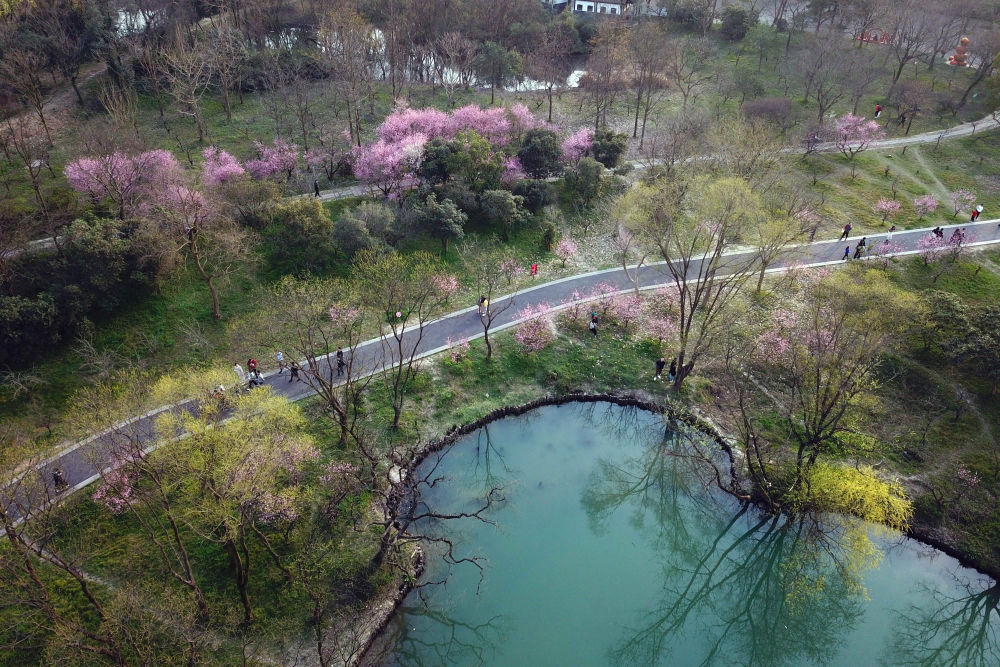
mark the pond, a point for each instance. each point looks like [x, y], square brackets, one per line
[610, 548]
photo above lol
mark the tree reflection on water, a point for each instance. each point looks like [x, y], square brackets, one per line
[779, 591]
[951, 631]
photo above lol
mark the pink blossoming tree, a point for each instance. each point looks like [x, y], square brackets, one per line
[534, 333]
[961, 200]
[577, 145]
[131, 182]
[279, 158]
[565, 248]
[925, 205]
[855, 134]
[219, 167]
[887, 208]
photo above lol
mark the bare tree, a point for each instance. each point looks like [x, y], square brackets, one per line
[687, 67]
[605, 77]
[349, 46]
[548, 62]
[23, 139]
[21, 70]
[402, 295]
[693, 229]
[487, 263]
[228, 62]
[910, 27]
[190, 74]
[649, 55]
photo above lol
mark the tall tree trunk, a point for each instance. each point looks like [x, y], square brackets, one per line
[241, 575]
[72, 82]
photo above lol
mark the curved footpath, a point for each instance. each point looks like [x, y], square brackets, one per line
[83, 463]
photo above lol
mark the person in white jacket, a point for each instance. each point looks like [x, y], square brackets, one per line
[240, 375]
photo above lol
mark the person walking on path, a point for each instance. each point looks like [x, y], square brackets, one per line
[240, 375]
[482, 305]
[847, 231]
[888, 236]
[660, 363]
[293, 373]
[860, 248]
[975, 212]
[281, 361]
[251, 364]
[59, 480]
[673, 370]
[847, 253]
[340, 362]
[878, 110]
[593, 324]
[316, 188]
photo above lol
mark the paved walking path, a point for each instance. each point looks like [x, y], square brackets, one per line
[82, 463]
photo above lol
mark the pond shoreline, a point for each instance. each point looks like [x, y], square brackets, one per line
[921, 534]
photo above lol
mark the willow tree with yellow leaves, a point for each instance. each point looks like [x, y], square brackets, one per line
[801, 383]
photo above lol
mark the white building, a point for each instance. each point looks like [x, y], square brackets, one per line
[597, 7]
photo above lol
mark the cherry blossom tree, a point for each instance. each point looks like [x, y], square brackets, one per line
[512, 170]
[961, 200]
[492, 124]
[887, 208]
[535, 332]
[446, 284]
[522, 120]
[386, 165]
[405, 122]
[565, 248]
[855, 134]
[511, 268]
[219, 167]
[131, 182]
[278, 158]
[884, 250]
[577, 145]
[626, 309]
[931, 248]
[925, 205]
[660, 327]
[457, 350]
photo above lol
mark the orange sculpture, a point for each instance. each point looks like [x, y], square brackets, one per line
[961, 53]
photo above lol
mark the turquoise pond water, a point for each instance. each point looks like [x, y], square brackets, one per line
[611, 549]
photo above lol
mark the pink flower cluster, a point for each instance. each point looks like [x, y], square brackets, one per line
[887, 208]
[497, 125]
[278, 158]
[577, 145]
[219, 167]
[513, 171]
[534, 333]
[130, 181]
[116, 490]
[962, 199]
[931, 248]
[925, 205]
[661, 327]
[565, 248]
[445, 283]
[458, 350]
[336, 470]
[855, 134]
[386, 165]
[344, 315]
